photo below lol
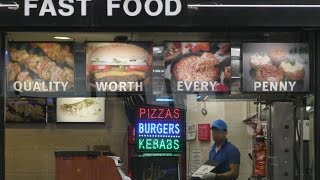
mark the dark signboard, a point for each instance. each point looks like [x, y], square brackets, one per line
[159, 13]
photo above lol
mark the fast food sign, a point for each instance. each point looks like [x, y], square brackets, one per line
[40, 67]
[159, 129]
[198, 66]
[275, 67]
[119, 67]
[63, 8]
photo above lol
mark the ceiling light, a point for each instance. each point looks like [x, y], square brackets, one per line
[62, 37]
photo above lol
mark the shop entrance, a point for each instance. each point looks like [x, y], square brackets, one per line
[272, 134]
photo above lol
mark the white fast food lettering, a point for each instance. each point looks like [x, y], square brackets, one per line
[67, 7]
[41, 86]
[274, 86]
[47, 7]
[114, 4]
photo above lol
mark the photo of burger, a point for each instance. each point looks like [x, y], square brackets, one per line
[118, 62]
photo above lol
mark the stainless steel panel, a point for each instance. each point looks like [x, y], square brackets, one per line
[282, 139]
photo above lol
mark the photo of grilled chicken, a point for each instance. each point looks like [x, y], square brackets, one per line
[13, 71]
[41, 61]
[57, 52]
[26, 110]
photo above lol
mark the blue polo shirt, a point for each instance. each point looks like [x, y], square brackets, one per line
[228, 154]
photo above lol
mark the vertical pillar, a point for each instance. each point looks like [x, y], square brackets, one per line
[2, 91]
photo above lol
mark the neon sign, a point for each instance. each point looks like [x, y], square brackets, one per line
[159, 144]
[159, 129]
[159, 113]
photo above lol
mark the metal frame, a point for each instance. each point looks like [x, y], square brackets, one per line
[317, 110]
[2, 134]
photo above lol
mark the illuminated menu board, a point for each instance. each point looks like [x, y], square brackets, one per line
[159, 129]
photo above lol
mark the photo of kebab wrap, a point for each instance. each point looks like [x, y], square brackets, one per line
[80, 109]
[35, 62]
[118, 62]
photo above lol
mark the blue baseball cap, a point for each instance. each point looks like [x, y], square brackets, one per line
[220, 125]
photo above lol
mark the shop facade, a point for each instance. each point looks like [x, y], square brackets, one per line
[123, 70]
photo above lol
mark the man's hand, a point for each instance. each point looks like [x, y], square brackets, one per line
[209, 176]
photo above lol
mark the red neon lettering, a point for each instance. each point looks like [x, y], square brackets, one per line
[153, 112]
[161, 111]
[176, 113]
[168, 114]
[142, 111]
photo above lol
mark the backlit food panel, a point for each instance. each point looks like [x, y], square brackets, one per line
[198, 66]
[275, 67]
[81, 110]
[40, 67]
[119, 67]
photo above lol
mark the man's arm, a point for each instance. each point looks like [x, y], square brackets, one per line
[230, 175]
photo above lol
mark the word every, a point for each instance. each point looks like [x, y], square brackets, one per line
[39, 86]
[274, 86]
[159, 113]
[159, 144]
[196, 86]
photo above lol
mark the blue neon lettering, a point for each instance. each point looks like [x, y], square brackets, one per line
[165, 128]
[177, 127]
[153, 129]
[159, 128]
[141, 128]
[147, 128]
[171, 126]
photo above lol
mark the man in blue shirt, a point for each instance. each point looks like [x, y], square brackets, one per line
[224, 153]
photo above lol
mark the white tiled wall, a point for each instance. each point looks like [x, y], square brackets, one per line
[233, 112]
[30, 149]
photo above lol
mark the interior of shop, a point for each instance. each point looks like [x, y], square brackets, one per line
[30, 146]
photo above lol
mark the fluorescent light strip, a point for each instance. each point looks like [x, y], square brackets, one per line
[62, 37]
[251, 6]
